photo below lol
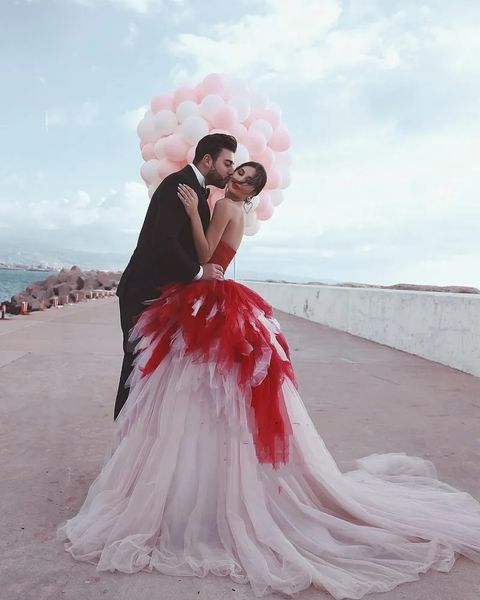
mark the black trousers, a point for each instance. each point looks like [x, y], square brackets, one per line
[128, 309]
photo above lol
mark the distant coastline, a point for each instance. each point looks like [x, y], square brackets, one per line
[26, 268]
[42, 268]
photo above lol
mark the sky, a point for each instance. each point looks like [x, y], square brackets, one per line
[381, 98]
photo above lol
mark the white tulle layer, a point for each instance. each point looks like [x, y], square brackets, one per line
[182, 492]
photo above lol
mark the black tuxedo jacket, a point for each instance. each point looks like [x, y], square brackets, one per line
[165, 250]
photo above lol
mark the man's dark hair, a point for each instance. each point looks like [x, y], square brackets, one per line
[259, 179]
[213, 144]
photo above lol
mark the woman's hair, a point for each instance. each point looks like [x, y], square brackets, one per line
[213, 144]
[259, 179]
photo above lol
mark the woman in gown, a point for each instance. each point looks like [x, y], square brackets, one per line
[217, 468]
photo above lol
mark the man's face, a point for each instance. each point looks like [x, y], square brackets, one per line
[221, 170]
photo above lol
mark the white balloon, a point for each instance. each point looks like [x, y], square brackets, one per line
[242, 105]
[209, 105]
[193, 129]
[186, 109]
[253, 228]
[146, 130]
[150, 170]
[276, 197]
[263, 127]
[165, 122]
[241, 155]
[152, 187]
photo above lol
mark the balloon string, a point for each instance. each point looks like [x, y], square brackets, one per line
[234, 269]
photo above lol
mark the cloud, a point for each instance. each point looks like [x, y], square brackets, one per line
[136, 6]
[327, 40]
[285, 43]
[131, 118]
[109, 222]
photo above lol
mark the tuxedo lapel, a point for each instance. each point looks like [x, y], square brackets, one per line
[203, 208]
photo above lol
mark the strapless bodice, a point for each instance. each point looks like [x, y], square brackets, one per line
[223, 255]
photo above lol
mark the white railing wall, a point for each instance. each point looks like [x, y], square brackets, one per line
[443, 327]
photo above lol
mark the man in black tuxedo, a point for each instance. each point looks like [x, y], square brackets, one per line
[165, 251]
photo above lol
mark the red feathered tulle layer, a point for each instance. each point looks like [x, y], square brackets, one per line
[229, 324]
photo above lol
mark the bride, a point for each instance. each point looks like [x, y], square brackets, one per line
[217, 468]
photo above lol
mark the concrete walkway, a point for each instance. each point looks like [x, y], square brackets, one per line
[58, 378]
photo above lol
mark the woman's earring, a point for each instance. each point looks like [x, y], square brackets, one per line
[247, 205]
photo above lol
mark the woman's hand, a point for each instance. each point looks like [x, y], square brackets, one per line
[189, 199]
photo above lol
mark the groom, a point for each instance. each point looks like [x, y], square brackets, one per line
[165, 251]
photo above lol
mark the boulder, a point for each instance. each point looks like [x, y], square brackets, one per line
[86, 282]
[70, 285]
[63, 289]
[36, 304]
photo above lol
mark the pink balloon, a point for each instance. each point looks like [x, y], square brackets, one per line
[265, 208]
[280, 140]
[270, 115]
[253, 116]
[159, 147]
[200, 92]
[175, 148]
[148, 152]
[162, 102]
[224, 117]
[214, 84]
[166, 167]
[274, 179]
[255, 143]
[266, 158]
[184, 92]
[239, 132]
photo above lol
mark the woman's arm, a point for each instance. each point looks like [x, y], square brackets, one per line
[204, 244]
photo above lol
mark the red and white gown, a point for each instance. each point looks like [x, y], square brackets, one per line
[217, 468]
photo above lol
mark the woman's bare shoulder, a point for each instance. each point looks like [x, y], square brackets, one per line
[224, 205]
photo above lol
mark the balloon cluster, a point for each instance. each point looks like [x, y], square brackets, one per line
[176, 122]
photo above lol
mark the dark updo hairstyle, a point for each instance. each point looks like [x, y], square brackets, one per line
[213, 144]
[259, 179]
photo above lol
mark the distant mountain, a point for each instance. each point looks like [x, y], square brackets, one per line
[48, 258]
[53, 259]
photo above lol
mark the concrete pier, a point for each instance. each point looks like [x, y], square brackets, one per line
[58, 376]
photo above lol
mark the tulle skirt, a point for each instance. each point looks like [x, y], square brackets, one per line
[187, 489]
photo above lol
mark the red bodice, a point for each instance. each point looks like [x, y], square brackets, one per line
[222, 255]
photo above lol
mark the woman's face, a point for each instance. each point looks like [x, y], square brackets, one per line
[240, 184]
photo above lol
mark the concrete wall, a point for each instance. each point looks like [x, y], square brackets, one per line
[443, 327]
